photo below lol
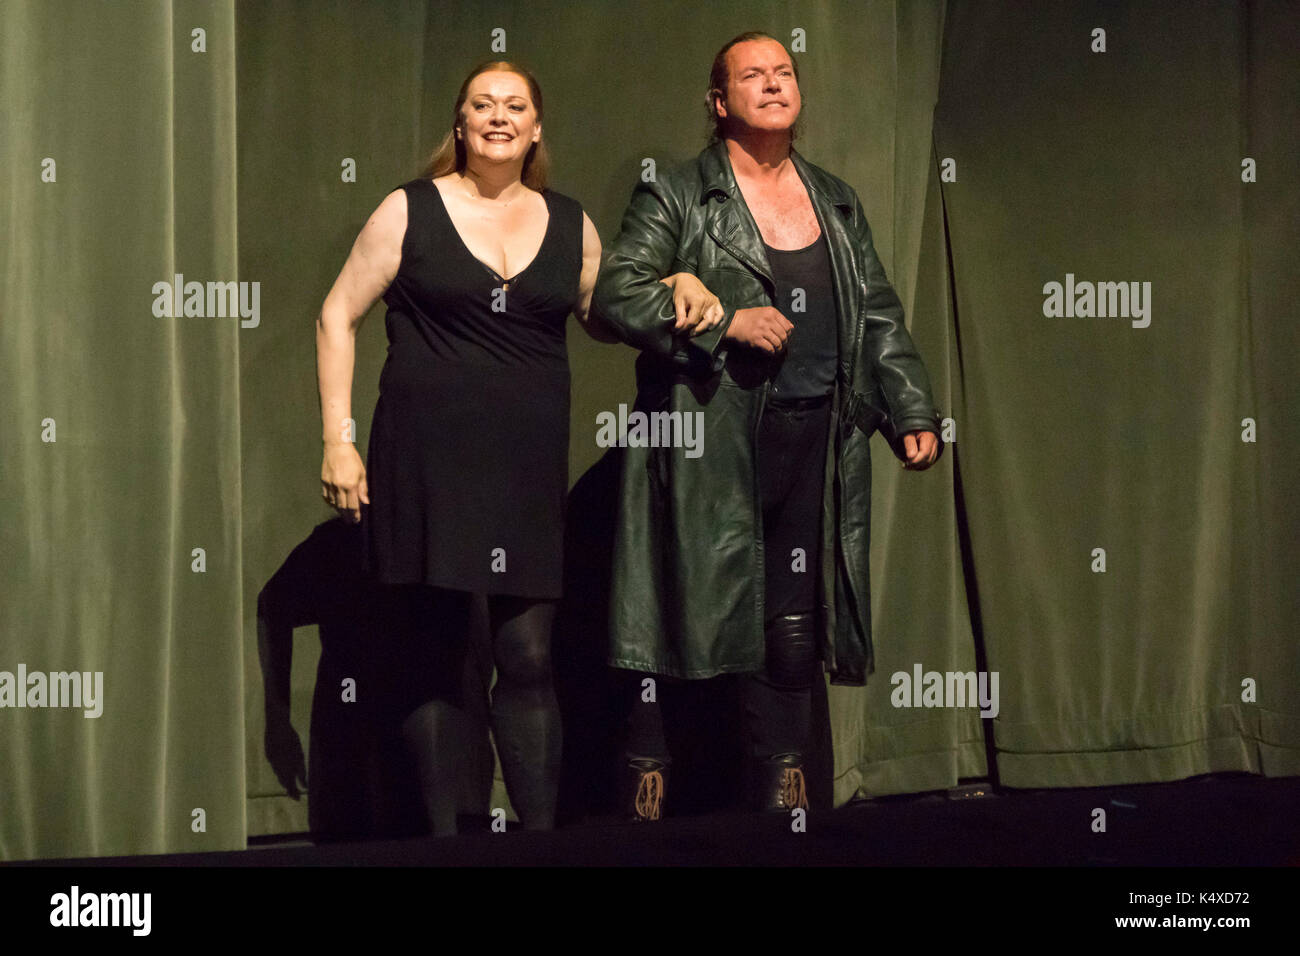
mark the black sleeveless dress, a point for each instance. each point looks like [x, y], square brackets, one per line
[469, 445]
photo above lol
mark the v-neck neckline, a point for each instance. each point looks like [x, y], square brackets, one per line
[550, 217]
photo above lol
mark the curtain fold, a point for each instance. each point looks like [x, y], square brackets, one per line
[120, 520]
[919, 615]
[1122, 469]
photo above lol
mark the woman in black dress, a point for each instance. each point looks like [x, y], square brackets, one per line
[480, 266]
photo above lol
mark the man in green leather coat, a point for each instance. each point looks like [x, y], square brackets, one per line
[689, 597]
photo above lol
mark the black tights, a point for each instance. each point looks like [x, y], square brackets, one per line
[431, 681]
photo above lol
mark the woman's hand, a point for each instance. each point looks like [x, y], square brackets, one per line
[343, 478]
[698, 309]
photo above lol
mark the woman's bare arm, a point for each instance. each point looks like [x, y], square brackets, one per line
[369, 270]
[587, 282]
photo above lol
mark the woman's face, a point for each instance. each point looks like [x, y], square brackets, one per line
[498, 119]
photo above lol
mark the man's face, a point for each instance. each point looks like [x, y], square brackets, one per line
[762, 92]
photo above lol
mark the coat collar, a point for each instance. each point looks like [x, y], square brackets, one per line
[716, 176]
[732, 226]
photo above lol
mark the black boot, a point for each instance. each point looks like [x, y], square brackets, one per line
[778, 706]
[779, 784]
[645, 782]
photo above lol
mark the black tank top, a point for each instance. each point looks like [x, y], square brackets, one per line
[446, 305]
[805, 296]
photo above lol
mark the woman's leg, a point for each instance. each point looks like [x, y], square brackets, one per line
[436, 732]
[525, 713]
[429, 635]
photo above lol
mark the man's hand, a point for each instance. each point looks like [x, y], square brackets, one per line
[763, 327]
[698, 309]
[922, 449]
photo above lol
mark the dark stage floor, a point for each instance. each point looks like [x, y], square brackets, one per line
[1216, 820]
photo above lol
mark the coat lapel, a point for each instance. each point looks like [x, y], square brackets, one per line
[729, 221]
[731, 225]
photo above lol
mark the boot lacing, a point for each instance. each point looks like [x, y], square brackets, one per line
[649, 795]
[793, 793]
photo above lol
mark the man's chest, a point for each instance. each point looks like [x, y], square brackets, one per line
[784, 214]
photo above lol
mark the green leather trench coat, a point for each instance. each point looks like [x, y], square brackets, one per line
[687, 591]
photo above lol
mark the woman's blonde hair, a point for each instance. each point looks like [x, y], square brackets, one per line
[450, 154]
